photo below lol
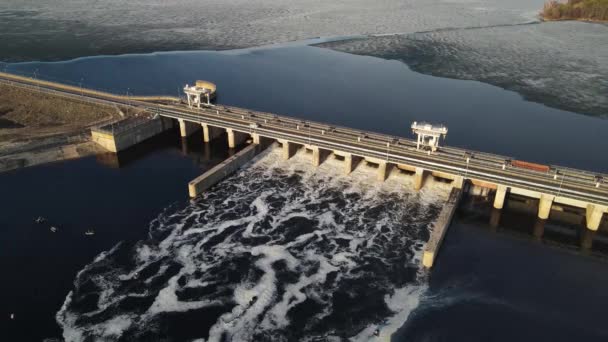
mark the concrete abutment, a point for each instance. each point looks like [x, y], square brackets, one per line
[119, 136]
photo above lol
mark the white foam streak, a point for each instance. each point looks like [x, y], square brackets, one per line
[402, 302]
[166, 301]
[302, 236]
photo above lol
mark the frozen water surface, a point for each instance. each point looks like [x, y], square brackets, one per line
[561, 64]
[45, 29]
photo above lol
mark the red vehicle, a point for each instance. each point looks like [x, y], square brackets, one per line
[530, 166]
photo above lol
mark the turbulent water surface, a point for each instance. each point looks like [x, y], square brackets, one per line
[276, 252]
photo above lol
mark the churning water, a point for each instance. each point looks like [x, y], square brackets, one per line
[280, 251]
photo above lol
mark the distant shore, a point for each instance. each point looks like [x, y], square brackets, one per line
[583, 20]
[580, 10]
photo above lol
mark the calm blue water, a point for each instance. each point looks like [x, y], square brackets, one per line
[497, 287]
[89, 193]
[485, 287]
[356, 91]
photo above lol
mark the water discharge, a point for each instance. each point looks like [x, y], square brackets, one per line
[279, 251]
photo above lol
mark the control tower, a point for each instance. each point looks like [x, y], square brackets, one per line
[428, 134]
[200, 93]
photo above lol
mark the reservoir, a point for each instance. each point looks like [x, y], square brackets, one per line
[487, 285]
[354, 91]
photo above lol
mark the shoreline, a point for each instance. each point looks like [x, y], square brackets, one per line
[33, 156]
[590, 21]
[42, 128]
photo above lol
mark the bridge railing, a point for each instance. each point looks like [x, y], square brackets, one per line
[146, 102]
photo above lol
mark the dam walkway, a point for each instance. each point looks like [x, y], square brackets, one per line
[552, 186]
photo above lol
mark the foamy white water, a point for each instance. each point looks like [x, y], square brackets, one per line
[279, 251]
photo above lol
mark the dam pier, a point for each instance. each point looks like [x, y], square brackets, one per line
[551, 187]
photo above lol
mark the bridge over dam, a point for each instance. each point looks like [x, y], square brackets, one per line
[552, 186]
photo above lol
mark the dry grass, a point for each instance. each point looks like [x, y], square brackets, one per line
[35, 115]
[32, 109]
[592, 10]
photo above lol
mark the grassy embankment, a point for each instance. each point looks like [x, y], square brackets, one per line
[37, 128]
[587, 10]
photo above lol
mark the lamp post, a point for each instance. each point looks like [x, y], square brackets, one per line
[128, 101]
[36, 77]
[309, 139]
[560, 184]
[466, 171]
[81, 92]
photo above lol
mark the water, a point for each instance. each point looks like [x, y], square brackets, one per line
[346, 249]
[355, 91]
[114, 27]
[279, 251]
[90, 193]
[502, 287]
[516, 57]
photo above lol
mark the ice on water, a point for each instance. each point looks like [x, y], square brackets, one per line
[541, 61]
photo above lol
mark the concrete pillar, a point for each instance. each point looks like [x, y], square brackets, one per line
[348, 164]
[316, 156]
[183, 131]
[288, 149]
[185, 146]
[458, 182]
[235, 137]
[539, 228]
[286, 154]
[495, 217]
[256, 138]
[382, 167]
[206, 133]
[209, 132]
[231, 140]
[206, 152]
[186, 128]
[587, 239]
[544, 206]
[499, 198]
[418, 179]
[594, 217]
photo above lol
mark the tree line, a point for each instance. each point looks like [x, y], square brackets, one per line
[576, 9]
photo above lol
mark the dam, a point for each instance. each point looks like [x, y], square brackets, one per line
[552, 187]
